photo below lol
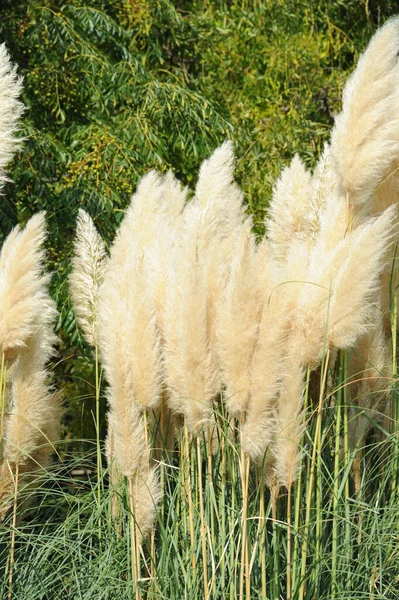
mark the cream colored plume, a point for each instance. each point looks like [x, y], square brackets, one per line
[174, 195]
[216, 190]
[324, 187]
[289, 209]
[34, 410]
[267, 365]
[129, 343]
[167, 226]
[290, 420]
[88, 268]
[199, 273]
[358, 278]
[238, 322]
[191, 373]
[10, 111]
[127, 428]
[365, 138]
[333, 306]
[129, 340]
[23, 287]
[370, 373]
[33, 414]
[147, 495]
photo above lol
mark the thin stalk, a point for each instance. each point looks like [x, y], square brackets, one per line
[189, 496]
[222, 504]
[244, 569]
[233, 580]
[3, 375]
[263, 535]
[395, 391]
[289, 542]
[135, 556]
[14, 523]
[185, 489]
[202, 518]
[247, 550]
[346, 466]
[311, 478]
[298, 495]
[274, 492]
[211, 496]
[335, 532]
[319, 495]
[98, 428]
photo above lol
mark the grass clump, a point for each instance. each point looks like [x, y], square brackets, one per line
[252, 445]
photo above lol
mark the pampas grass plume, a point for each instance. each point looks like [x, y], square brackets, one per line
[34, 411]
[23, 287]
[85, 280]
[10, 111]
[238, 322]
[365, 138]
[289, 208]
[290, 422]
[200, 271]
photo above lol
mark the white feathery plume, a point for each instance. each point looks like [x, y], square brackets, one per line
[267, 365]
[32, 424]
[333, 307]
[216, 190]
[358, 278]
[10, 111]
[386, 195]
[146, 498]
[370, 377]
[289, 208]
[238, 322]
[199, 272]
[128, 340]
[174, 195]
[23, 287]
[190, 369]
[365, 137]
[370, 373]
[88, 268]
[324, 186]
[34, 409]
[290, 421]
[168, 222]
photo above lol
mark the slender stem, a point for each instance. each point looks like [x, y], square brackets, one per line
[319, 494]
[202, 518]
[263, 535]
[289, 543]
[98, 445]
[244, 569]
[274, 493]
[222, 504]
[346, 466]
[189, 495]
[135, 556]
[14, 522]
[311, 478]
[233, 564]
[247, 551]
[298, 494]
[395, 391]
[335, 533]
[210, 433]
[2, 394]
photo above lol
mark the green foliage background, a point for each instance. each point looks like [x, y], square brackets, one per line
[114, 88]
